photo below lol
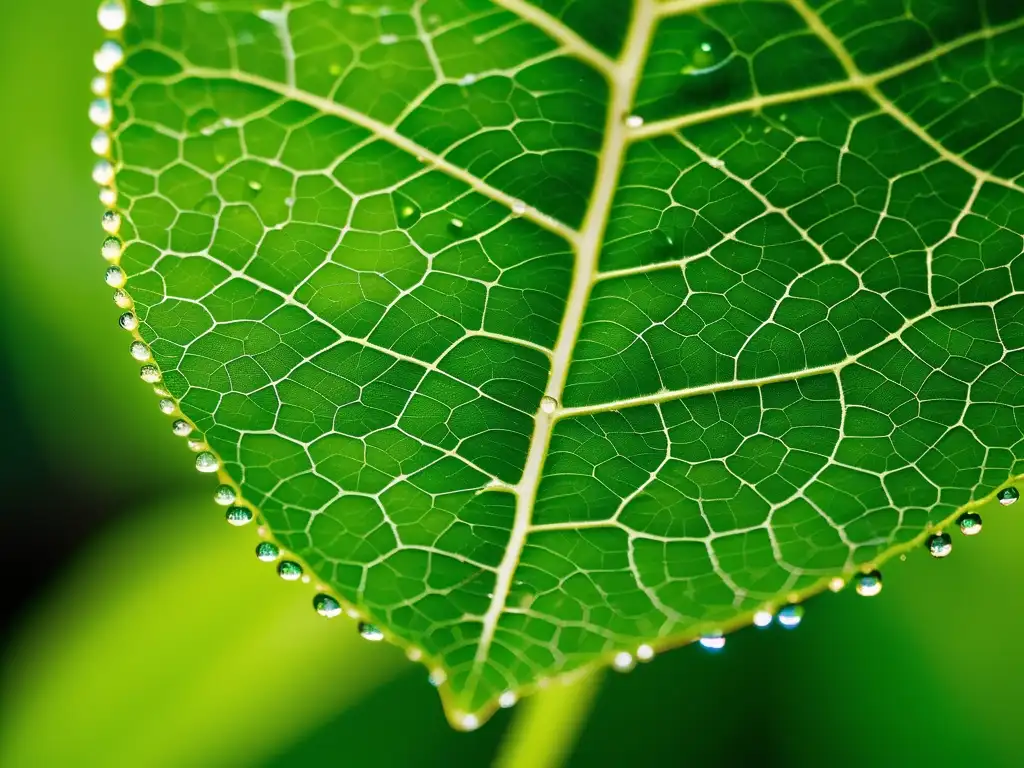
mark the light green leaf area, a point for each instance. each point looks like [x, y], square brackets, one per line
[762, 259]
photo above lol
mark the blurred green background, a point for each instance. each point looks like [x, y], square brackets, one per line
[141, 631]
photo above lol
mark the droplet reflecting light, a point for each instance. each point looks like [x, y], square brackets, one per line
[939, 545]
[868, 584]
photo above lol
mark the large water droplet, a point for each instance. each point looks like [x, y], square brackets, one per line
[939, 545]
[326, 606]
[108, 196]
[1008, 496]
[548, 404]
[238, 515]
[111, 248]
[109, 57]
[791, 615]
[207, 462]
[101, 113]
[149, 374]
[181, 428]
[713, 642]
[167, 406]
[111, 222]
[100, 143]
[103, 172]
[128, 321]
[112, 15]
[267, 551]
[868, 584]
[114, 277]
[970, 523]
[370, 632]
[289, 570]
[224, 495]
[122, 299]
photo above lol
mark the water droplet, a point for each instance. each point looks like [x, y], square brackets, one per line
[196, 444]
[407, 212]
[111, 222]
[507, 699]
[128, 321]
[716, 162]
[238, 516]
[149, 374]
[634, 121]
[457, 224]
[108, 197]
[207, 462]
[100, 86]
[112, 15]
[122, 299]
[868, 584]
[388, 39]
[256, 186]
[645, 652]
[970, 523]
[939, 544]
[470, 722]
[548, 404]
[101, 113]
[109, 57]
[224, 495]
[836, 583]
[713, 642]
[623, 661]
[267, 552]
[139, 351]
[289, 570]
[518, 207]
[709, 54]
[467, 79]
[114, 277]
[1008, 496]
[167, 406]
[437, 677]
[111, 249]
[762, 618]
[326, 606]
[181, 428]
[414, 654]
[370, 632]
[100, 143]
[791, 615]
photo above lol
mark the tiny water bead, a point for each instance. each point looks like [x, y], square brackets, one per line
[437, 677]
[939, 545]
[370, 632]
[128, 321]
[548, 404]
[111, 222]
[100, 86]
[100, 143]
[108, 197]
[623, 661]
[711, 53]
[139, 351]
[469, 722]
[507, 699]
[713, 642]
[239, 516]
[970, 523]
[101, 113]
[518, 207]
[289, 570]
[181, 428]
[115, 277]
[111, 248]
[196, 444]
[868, 584]
[207, 462]
[109, 57]
[791, 615]
[634, 121]
[836, 584]
[1008, 496]
[103, 172]
[326, 606]
[267, 552]
[167, 406]
[112, 15]
[224, 495]
[645, 652]
[763, 618]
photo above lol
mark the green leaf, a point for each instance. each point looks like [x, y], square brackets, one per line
[543, 332]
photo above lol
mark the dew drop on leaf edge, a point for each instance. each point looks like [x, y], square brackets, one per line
[868, 584]
[224, 495]
[790, 616]
[238, 516]
[370, 632]
[713, 642]
[326, 606]
[207, 462]
[267, 552]
[181, 428]
[167, 406]
[149, 374]
[112, 15]
[939, 545]
[289, 570]
[1008, 496]
[970, 523]
[128, 321]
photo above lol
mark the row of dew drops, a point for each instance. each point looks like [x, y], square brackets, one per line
[112, 18]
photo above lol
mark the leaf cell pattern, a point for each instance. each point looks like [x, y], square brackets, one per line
[540, 331]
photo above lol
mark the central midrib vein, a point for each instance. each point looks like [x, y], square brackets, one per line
[622, 83]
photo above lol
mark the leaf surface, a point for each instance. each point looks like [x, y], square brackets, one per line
[545, 331]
